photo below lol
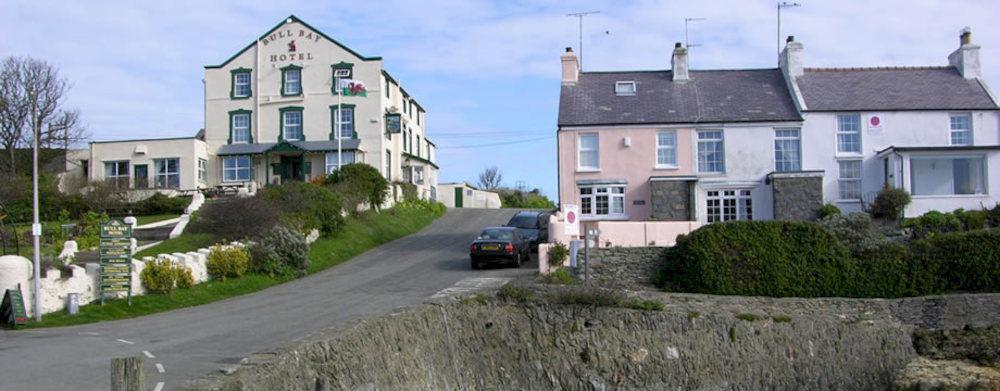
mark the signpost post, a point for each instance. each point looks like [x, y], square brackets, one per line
[116, 258]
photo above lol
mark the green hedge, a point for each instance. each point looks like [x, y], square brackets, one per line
[801, 259]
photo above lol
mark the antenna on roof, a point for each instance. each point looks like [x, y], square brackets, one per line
[783, 4]
[687, 43]
[579, 16]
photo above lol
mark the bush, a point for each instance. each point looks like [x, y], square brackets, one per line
[235, 219]
[516, 294]
[280, 252]
[972, 219]
[162, 276]
[160, 203]
[226, 263]
[993, 216]
[534, 199]
[889, 203]
[932, 223]
[305, 206]
[558, 254]
[648, 305]
[961, 261]
[854, 230]
[827, 210]
[409, 190]
[359, 184]
[560, 276]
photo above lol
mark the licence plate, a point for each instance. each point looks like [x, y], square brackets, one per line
[490, 247]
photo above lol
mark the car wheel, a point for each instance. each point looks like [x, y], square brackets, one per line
[517, 262]
[475, 265]
[527, 256]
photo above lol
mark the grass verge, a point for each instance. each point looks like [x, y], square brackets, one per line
[181, 244]
[143, 220]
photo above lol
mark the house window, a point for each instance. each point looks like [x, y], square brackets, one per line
[202, 169]
[728, 205]
[388, 164]
[388, 92]
[625, 88]
[406, 140]
[240, 125]
[418, 117]
[950, 175]
[236, 168]
[961, 130]
[787, 150]
[588, 157]
[603, 201]
[849, 133]
[85, 164]
[666, 149]
[291, 80]
[711, 152]
[418, 145]
[168, 174]
[418, 175]
[331, 160]
[346, 118]
[241, 83]
[291, 124]
[117, 172]
[849, 180]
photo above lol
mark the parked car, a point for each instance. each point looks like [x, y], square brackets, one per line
[534, 226]
[499, 244]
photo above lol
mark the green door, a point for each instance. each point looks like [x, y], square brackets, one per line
[458, 197]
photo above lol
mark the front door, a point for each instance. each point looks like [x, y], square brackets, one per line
[458, 196]
[141, 176]
[291, 168]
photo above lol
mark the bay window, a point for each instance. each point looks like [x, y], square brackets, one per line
[603, 201]
[728, 205]
[948, 175]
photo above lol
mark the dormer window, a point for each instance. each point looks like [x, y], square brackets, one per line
[625, 88]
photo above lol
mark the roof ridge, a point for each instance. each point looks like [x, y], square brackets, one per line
[669, 70]
[880, 68]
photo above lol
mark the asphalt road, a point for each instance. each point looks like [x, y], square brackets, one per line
[191, 342]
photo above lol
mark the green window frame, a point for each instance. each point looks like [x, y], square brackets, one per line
[281, 122]
[334, 80]
[284, 75]
[232, 115]
[232, 85]
[334, 109]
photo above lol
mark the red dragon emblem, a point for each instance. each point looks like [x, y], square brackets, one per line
[291, 46]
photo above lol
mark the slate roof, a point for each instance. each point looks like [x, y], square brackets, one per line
[894, 88]
[308, 146]
[745, 95]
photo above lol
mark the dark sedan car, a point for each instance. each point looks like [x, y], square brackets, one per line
[534, 226]
[499, 244]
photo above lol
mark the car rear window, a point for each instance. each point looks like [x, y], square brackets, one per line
[523, 221]
[496, 234]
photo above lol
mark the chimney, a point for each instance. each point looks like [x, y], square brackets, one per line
[790, 60]
[570, 67]
[679, 63]
[966, 58]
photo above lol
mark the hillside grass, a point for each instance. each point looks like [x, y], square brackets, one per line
[181, 244]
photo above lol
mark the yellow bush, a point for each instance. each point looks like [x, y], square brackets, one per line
[227, 263]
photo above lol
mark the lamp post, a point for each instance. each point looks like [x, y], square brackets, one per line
[36, 227]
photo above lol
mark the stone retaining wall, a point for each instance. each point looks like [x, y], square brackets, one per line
[624, 267]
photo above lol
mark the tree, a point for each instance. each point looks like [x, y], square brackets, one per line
[359, 183]
[490, 178]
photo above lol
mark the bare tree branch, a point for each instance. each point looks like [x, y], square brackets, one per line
[491, 178]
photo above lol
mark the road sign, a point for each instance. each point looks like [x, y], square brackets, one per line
[571, 213]
[116, 258]
[12, 308]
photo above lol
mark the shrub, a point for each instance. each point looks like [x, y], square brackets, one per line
[889, 203]
[827, 210]
[972, 219]
[359, 184]
[305, 206]
[516, 294]
[647, 305]
[162, 276]
[236, 218]
[534, 199]
[280, 252]
[226, 263]
[932, 223]
[409, 190]
[434, 207]
[961, 261]
[993, 216]
[558, 254]
[560, 276]
[854, 230]
[978, 344]
[160, 203]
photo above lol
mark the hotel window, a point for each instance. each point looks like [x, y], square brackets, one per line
[787, 150]
[117, 173]
[168, 173]
[948, 175]
[388, 164]
[418, 175]
[666, 149]
[849, 133]
[388, 92]
[241, 83]
[236, 168]
[331, 160]
[341, 71]
[728, 205]
[849, 181]
[291, 124]
[291, 80]
[625, 88]
[202, 169]
[418, 117]
[588, 152]
[418, 145]
[603, 201]
[711, 151]
[961, 129]
[240, 127]
[346, 118]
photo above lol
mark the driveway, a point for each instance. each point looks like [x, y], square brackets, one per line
[191, 342]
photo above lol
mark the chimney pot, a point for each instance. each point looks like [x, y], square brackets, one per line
[677, 44]
[965, 59]
[966, 36]
[791, 38]
[569, 49]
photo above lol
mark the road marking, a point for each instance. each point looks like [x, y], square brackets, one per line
[159, 368]
[148, 354]
[159, 386]
[90, 333]
[471, 285]
[124, 341]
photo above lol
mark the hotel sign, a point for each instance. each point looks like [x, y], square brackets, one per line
[292, 53]
[116, 258]
[393, 123]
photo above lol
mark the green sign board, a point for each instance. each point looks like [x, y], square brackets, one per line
[116, 258]
[393, 123]
[12, 311]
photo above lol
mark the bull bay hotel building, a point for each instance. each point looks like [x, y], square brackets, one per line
[292, 105]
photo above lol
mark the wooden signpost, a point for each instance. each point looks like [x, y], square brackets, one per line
[12, 311]
[116, 258]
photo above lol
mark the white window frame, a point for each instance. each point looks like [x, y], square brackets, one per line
[984, 178]
[297, 82]
[418, 175]
[728, 205]
[346, 130]
[239, 131]
[703, 163]
[842, 179]
[237, 85]
[115, 174]
[841, 134]
[202, 170]
[613, 196]
[953, 132]
[669, 150]
[162, 173]
[285, 124]
[237, 169]
[331, 160]
[596, 150]
[625, 88]
[782, 137]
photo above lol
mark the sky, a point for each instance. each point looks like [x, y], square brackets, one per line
[487, 72]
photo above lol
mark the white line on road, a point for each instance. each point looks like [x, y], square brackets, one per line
[124, 341]
[90, 333]
[159, 368]
[471, 285]
[148, 354]
[159, 386]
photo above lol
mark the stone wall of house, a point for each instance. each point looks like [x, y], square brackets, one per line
[797, 197]
[671, 200]
[624, 267]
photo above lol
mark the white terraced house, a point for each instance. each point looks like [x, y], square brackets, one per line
[292, 105]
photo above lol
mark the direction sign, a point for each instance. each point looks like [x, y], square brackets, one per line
[12, 308]
[116, 258]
